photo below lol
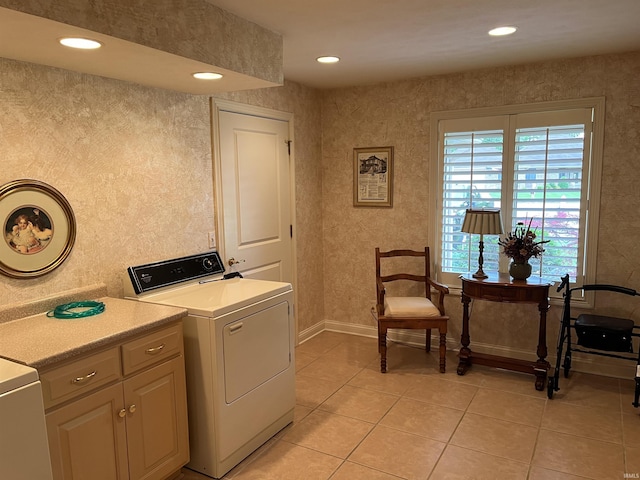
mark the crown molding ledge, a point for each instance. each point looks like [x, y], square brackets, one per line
[161, 47]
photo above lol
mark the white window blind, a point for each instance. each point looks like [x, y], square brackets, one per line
[531, 165]
[472, 179]
[548, 186]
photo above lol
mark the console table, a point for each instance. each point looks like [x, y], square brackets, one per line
[500, 287]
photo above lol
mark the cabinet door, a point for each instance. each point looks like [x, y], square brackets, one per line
[87, 438]
[157, 432]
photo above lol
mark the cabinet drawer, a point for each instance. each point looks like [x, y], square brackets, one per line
[151, 349]
[80, 377]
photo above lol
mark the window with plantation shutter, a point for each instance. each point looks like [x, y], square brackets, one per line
[472, 179]
[534, 165]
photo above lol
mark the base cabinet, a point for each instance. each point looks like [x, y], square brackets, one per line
[135, 429]
[87, 439]
[157, 435]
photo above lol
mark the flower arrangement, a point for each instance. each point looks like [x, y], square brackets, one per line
[520, 245]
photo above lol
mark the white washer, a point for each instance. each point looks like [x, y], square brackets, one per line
[24, 449]
[239, 353]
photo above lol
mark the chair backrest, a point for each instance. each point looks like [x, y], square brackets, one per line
[406, 276]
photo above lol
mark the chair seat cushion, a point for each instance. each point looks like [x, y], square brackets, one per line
[411, 307]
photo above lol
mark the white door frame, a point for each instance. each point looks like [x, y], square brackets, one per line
[218, 105]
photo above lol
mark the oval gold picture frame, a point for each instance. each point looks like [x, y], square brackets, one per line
[38, 228]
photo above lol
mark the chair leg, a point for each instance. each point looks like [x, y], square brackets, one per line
[382, 348]
[428, 341]
[443, 352]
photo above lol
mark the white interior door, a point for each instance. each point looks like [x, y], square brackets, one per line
[254, 195]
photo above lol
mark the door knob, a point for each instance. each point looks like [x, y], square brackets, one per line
[232, 261]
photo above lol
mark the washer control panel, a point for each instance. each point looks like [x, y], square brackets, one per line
[171, 272]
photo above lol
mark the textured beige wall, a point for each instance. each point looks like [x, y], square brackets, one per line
[398, 114]
[135, 164]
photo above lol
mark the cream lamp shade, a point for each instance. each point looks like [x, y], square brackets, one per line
[482, 222]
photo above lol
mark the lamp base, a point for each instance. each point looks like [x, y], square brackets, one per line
[480, 274]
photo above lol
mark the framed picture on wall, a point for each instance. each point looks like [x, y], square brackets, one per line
[38, 228]
[373, 177]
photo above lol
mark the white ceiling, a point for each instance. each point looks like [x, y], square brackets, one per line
[378, 40]
[387, 40]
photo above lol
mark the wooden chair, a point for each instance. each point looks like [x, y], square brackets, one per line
[410, 312]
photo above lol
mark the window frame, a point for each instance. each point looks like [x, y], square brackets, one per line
[594, 170]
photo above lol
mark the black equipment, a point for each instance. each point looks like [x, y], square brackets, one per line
[596, 334]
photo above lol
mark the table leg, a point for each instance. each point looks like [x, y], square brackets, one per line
[465, 351]
[541, 367]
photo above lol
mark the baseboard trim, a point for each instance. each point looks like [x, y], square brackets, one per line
[584, 363]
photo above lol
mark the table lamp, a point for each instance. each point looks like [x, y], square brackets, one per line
[482, 222]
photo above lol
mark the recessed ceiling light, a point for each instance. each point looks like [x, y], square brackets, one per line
[82, 43]
[328, 59]
[500, 31]
[207, 75]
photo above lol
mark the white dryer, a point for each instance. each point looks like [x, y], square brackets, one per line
[239, 353]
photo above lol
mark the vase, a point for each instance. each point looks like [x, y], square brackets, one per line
[520, 271]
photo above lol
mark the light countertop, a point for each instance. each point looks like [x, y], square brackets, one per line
[39, 341]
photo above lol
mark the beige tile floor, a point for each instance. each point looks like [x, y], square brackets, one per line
[352, 422]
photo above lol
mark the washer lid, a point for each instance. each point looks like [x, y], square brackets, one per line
[216, 298]
[15, 375]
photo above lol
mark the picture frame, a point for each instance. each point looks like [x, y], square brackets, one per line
[38, 228]
[373, 177]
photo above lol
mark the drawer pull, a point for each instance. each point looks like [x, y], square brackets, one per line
[87, 377]
[154, 350]
[132, 408]
[122, 413]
